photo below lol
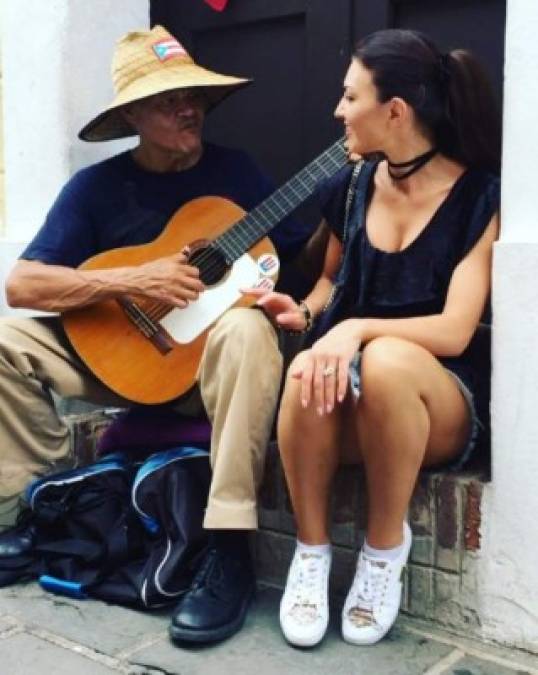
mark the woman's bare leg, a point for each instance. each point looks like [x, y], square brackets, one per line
[310, 449]
[411, 413]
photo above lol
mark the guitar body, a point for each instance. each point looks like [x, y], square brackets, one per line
[113, 346]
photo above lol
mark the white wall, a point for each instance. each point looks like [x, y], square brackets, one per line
[508, 573]
[56, 67]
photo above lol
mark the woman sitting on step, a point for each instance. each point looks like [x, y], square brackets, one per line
[388, 381]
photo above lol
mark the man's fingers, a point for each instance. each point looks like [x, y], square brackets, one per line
[188, 294]
[191, 283]
[190, 270]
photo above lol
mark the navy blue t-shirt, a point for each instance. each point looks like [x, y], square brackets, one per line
[117, 203]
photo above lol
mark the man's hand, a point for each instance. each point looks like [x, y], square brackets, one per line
[171, 280]
[54, 288]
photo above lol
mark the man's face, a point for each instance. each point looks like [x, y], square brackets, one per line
[171, 121]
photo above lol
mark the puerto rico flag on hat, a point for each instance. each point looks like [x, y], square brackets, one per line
[167, 49]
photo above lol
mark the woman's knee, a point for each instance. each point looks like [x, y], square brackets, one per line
[389, 360]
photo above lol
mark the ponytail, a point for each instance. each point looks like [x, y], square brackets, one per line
[472, 130]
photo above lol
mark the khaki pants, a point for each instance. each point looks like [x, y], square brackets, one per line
[238, 382]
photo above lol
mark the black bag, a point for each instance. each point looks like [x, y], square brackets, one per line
[124, 533]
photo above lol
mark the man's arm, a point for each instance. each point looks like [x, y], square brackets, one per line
[55, 288]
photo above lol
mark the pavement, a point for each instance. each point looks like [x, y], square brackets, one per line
[44, 634]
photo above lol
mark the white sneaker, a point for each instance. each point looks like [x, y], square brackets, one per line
[373, 601]
[304, 608]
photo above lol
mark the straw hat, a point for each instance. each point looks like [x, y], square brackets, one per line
[147, 63]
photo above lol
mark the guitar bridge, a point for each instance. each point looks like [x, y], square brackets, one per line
[151, 330]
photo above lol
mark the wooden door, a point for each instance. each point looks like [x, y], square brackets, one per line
[477, 25]
[297, 52]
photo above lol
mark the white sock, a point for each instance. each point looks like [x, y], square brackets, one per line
[314, 549]
[383, 553]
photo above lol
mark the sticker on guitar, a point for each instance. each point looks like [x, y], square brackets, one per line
[268, 264]
[265, 283]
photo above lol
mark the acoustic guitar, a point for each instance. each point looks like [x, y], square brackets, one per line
[148, 351]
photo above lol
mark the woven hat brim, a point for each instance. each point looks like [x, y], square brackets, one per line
[110, 124]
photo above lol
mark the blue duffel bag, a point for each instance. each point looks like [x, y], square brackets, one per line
[124, 532]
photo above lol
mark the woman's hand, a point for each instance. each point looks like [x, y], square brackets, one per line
[280, 307]
[324, 373]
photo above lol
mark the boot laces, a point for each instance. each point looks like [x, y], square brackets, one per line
[210, 574]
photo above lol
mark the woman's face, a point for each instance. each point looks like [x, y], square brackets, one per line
[365, 118]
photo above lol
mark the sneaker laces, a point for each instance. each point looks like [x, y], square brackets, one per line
[307, 587]
[368, 589]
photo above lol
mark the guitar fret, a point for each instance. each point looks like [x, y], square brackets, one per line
[252, 227]
[230, 252]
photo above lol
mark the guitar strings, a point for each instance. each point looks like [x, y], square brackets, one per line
[276, 212]
[157, 310]
[323, 166]
[271, 203]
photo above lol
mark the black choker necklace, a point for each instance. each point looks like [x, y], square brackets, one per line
[414, 165]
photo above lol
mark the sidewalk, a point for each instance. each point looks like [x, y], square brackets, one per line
[43, 634]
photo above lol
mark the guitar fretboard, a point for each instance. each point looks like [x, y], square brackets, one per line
[256, 224]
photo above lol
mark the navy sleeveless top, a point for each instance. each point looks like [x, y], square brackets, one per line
[414, 281]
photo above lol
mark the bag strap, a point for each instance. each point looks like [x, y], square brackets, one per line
[347, 216]
[349, 200]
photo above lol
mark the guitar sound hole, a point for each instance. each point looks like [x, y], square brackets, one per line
[211, 263]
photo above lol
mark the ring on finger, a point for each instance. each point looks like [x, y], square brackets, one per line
[328, 371]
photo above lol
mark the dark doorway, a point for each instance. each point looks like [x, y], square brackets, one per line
[297, 52]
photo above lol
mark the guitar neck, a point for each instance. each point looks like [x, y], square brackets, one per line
[256, 224]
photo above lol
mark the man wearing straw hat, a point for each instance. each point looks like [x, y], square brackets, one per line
[161, 96]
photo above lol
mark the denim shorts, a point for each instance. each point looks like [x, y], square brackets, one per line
[476, 425]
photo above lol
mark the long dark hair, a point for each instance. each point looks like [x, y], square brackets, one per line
[449, 93]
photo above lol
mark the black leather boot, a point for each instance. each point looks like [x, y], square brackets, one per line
[216, 604]
[19, 539]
